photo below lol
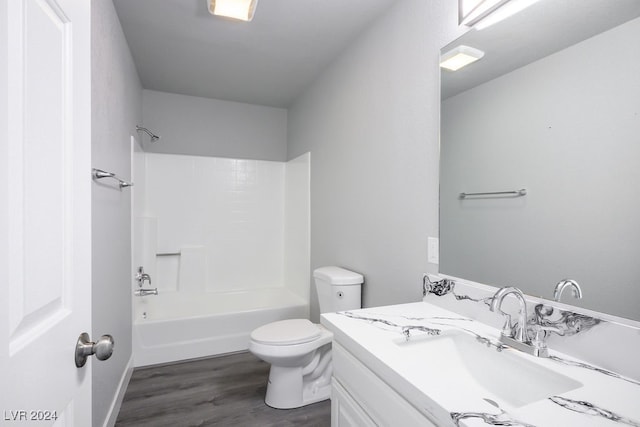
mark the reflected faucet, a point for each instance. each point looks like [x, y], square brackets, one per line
[560, 287]
[496, 303]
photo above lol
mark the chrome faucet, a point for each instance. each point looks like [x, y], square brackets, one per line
[141, 276]
[496, 303]
[563, 284]
[520, 339]
[144, 292]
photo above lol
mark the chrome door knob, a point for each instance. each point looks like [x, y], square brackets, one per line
[103, 348]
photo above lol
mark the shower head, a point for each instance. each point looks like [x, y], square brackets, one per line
[152, 135]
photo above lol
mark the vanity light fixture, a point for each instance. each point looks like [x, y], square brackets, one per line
[241, 10]
[460, 56]
[510, 8]
[484, 13]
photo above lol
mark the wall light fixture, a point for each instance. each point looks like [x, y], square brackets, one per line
[484, 13]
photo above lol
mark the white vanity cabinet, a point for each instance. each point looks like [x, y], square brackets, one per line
[444, 373]
[359, 398]
[345, 411]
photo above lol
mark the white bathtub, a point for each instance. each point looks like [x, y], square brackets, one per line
[177, 326]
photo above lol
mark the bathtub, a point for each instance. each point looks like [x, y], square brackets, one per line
[174, 326]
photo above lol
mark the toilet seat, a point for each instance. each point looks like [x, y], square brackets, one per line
[286, 332]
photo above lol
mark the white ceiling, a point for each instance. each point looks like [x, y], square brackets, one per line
[179, 47]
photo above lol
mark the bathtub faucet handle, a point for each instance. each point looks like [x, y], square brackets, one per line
[141, 276]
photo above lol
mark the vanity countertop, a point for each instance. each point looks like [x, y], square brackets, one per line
[448, 393]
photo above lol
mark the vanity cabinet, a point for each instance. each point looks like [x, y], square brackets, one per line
[360, 398]
[345, 411]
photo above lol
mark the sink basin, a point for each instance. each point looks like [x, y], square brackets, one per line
[457, 360]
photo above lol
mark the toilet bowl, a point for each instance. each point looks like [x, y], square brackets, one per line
[298, 350]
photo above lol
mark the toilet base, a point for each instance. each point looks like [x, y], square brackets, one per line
[286, 390]
[293, 387]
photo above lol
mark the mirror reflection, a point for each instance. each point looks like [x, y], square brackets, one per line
[552, 107]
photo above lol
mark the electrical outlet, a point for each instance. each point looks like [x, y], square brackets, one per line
[433, 250]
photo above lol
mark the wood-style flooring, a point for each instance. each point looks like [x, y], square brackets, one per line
[220, 391]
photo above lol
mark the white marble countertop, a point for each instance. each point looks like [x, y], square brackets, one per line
[375, 336]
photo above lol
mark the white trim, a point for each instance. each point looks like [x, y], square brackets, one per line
[114, 409]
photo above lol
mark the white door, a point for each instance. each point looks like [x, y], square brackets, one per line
[45, 210]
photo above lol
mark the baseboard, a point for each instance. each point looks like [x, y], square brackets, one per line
[114, 409]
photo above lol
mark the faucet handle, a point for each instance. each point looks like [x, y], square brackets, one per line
[507, 327]
[141, 276]
[539, 340]
[539, 337]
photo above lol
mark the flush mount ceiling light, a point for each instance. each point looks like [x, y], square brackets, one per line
[235, 9]
[484, 13]
[460, 56]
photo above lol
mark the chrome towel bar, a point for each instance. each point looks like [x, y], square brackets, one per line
[100, 174]
[514, 193]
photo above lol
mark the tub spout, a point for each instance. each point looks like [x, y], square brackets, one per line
[144, 292]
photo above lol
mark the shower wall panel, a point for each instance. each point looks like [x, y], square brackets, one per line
[225, 213]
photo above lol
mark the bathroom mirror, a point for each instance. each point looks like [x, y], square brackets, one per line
[553, 107]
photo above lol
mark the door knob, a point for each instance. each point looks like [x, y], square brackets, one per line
[103, 348]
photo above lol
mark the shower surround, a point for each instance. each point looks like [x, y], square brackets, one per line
[226, 242]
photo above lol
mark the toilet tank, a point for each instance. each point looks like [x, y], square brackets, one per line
[338, 289]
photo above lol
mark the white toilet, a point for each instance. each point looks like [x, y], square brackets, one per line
[300, 351]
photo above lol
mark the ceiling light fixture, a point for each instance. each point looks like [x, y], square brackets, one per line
[235, 9]
[460, 56]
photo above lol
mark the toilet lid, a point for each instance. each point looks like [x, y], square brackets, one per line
[286, 332]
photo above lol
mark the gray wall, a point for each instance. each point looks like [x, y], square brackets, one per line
[212, 127]
[371, 123]
[567, 128]
[116, 108]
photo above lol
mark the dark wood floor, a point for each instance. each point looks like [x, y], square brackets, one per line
[221, 391]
